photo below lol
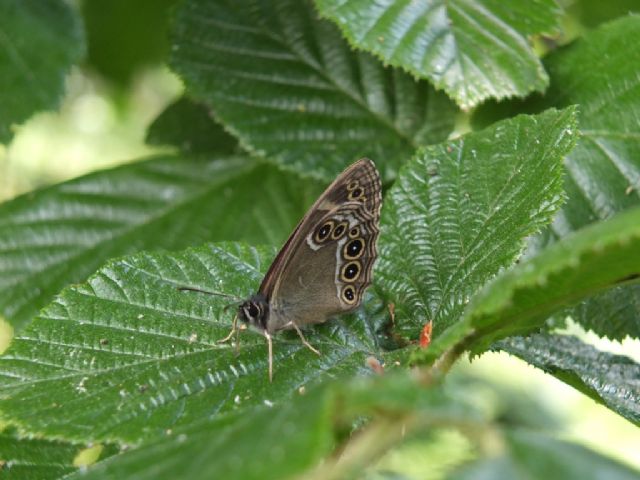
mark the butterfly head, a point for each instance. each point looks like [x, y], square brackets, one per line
[255, 312]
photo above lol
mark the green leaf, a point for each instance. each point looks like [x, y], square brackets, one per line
[190, 127]
[264, 443]
[29, 80]
[612, 380]
[594, 259]
[291, 89]
[60, 235]
[591, 14]
[33, 458]
[459, 212]
[474, 50]
[534, 455]
[42, 459]
[126, 36]
[287, 439]
[603, 171]
[127, 356]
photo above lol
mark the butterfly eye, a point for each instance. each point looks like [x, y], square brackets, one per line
[339, 231]
[253, 310]
[324, 231]
[351, 271]
[353, 249]
[349, 294]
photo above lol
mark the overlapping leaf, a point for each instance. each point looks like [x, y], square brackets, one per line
[294, 436]
[533, 455]
[292, 89]
[603, 171]
[29, 80]
[190, 127]
[297, 435]
[460, 212]
[596, 258]
[127, 356]
[613, 380]
[62, 234]
[474, 50]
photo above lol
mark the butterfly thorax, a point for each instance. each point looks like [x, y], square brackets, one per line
[255, 312]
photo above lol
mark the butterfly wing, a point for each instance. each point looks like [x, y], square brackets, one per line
[326, 264]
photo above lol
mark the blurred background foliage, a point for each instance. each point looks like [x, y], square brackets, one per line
[121, 87]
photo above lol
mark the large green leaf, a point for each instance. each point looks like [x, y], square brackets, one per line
[603, 171]
[127, 356]
[290, 88]
[285, 440]
[613, 380]
[596, 258]
[532, 455]
[460, 212]
[474, 50]
[29, 79]
[264, 443]
[60, 235]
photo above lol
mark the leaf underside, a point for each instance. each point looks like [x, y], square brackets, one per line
[613, 380]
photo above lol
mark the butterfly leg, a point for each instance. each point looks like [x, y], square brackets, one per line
[270, 345]
[304, 340]
[234, 328]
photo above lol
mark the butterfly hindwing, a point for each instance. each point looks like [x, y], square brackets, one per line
[326, 265]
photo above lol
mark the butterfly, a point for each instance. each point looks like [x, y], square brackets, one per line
[325, 266]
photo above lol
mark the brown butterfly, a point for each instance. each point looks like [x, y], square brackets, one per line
[326, 264]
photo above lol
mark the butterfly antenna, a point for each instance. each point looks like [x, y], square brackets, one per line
[217, 294]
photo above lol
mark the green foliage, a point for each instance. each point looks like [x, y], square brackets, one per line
[487, 234]
[299, 95]
[602, 174]
[531, 455]
[300, 431]
[594, 259]
[460, 211]
[190, 127]
[61, 234]
[474, 50]
[612, 380]
[35, 458]
[603, 171]
[146, 352]
[141, 39]
[29, 80]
